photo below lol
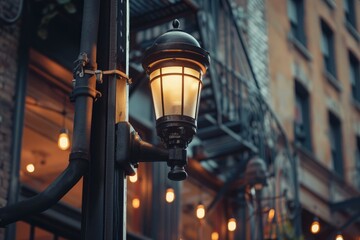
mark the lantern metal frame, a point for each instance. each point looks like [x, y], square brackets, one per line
[176, 48]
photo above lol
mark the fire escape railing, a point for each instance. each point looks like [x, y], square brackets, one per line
[238, 100]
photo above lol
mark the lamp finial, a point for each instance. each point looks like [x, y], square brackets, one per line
[176, 23]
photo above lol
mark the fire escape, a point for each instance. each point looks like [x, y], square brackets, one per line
[235, 120]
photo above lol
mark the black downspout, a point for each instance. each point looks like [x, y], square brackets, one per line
[18, 117]
[83, 95]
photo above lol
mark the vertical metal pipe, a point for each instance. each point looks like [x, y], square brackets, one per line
[84, 103]
[18, 118]
[241, 233]
[259, 215]
[32, 232]
[84, 108]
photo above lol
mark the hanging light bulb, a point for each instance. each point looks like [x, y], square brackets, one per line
[170, 195]
[200, 211]
[339, 237]
[134, 178]
[214, 236]
[64, 140]
[136, 203]
[232, 224]
[271, 215]
[315, 226]
[30, 167]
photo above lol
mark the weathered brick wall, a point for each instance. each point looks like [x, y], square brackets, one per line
[257, 40]
[9, 39]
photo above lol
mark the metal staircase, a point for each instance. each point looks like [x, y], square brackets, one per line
[235, 121]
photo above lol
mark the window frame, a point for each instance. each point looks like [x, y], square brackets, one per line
[329, 58]
[349, 12]
[335, 138]
[354, 71]
[297, 28]
[302, 133]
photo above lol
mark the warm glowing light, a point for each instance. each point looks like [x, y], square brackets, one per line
[169, 98]
[315, 227]
[200, 211]
[170, 195]
[232, 224]
[134, 178]
[339, 237]
[214, 236]
[30, 168]
[64, 141]
[271, 214]
[136, 203]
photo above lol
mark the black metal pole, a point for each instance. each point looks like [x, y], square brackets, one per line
[104, 196]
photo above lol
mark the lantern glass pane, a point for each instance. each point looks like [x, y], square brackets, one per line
[172, 90]
[171, 70]
[156, 94]
[154, 74]
[192, 72]
[191, 92]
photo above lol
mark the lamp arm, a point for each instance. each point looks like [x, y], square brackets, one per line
[50, 196]
[142, 151]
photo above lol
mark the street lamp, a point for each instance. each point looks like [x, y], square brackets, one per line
[255, 173]
[176, 64]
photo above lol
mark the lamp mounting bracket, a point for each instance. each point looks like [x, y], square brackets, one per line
[99, 74]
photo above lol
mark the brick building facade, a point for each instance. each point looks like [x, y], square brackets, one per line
[313, 88]
[9, 59]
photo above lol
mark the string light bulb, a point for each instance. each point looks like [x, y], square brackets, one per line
[136, 203]
[315, 226]
[134, 178]
[64, 140]
[271, 215]
[214, 236]
[200, 211]
[30, 168]
[170, 195]
[339, 237]
[232, 224]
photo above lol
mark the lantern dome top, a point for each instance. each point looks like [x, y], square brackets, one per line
[176, 35]
[176, 44]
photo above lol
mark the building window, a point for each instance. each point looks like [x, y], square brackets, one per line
[335, 139]
[296, 17]
[302, 128]
[327, 49]
[357, 163]
[349, 9]
[354, 76]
